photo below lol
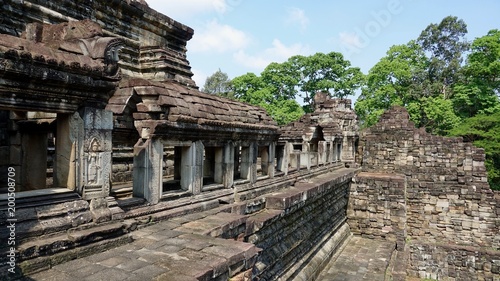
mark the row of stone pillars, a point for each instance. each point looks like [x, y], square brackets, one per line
[291, 159]
[193, 161]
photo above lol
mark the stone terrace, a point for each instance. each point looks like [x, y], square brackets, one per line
[207, 245]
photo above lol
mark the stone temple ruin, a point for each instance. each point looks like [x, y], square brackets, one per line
[106, 136]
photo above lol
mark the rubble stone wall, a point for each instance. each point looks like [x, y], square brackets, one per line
[431, 190]
[377, 207]
[441, 261]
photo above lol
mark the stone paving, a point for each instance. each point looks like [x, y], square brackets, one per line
[361, 259]
[159, 252]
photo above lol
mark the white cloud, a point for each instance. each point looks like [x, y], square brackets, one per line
[188, 8]
[199, 77]
[279, 52]
[215, 37]
[350, 40]
[297, 16]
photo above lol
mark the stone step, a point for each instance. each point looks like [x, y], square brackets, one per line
[222, 225]
[44, 252]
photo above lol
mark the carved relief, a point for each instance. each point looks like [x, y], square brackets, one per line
[94, 164]
[83, 37]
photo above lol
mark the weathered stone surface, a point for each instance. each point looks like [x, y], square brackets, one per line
[425, 188]
[287, 235]
[170, 101]
[361, 259]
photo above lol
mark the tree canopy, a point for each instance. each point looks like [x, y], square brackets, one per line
[280, 84]
[218, 84]
[448, 85]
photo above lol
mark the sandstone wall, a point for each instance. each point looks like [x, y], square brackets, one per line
[377, 207]
[304, 223]
[426, 189]
[155, 45]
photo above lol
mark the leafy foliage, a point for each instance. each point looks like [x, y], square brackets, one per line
[218, 84]
[326, 73]
[254, 90]
[445, 43]
[396, 80]
[281, 83]
[484, 131]
[478, 92]
[442, 93]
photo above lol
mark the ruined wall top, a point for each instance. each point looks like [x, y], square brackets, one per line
[395, 145]
[335, 117]
[155, 45]
[323, 103]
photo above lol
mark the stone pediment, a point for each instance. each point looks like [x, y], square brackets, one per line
[57, 68]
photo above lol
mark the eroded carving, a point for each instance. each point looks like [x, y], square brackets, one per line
[94, 164]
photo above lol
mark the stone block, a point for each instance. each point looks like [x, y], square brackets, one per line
[99, 209]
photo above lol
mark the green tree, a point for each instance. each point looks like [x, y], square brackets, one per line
[280, 83]
[326, 73]
[397, 79]
[218, 84]
[421, 76]
[480, 89]
[484, 131]
[445, 43]
[282, 79]
[252, 89]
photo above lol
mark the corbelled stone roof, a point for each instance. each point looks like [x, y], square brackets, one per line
[162, 106]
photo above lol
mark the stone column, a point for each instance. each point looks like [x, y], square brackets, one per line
[331, 153]
[218, 164]
[68, 141]
[305, 157]
[192, 167]
[249, 162]
[264, 160]
[347, 149]
[97, 149]
[272, 155]
[293, 157]
[322, 152]
[228, 165]
[198, 167]
[148, 170]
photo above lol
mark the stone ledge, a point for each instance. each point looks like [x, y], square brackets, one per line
[307, 190]
[383, 176]
[46, 246]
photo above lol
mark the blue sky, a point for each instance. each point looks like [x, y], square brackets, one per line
[240, 36]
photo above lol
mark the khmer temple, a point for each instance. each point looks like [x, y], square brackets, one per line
[107, 142]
